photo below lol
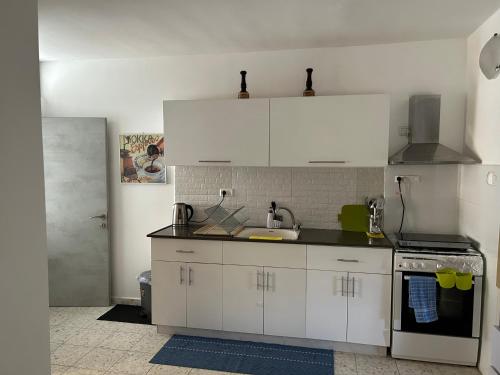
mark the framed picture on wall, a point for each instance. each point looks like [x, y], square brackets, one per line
[142, 158]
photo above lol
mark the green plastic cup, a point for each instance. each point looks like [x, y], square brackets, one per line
[446, 278]
[464, 280]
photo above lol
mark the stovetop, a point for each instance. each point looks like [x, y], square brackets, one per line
[433, 243]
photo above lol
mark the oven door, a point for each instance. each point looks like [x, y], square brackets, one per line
[459, 311]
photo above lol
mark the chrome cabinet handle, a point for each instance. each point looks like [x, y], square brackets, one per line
[185, 251]
[214, 161]
[102, 216]
[353, 280]
[327, 162]
[181, 275]
[343, 289]
[348, 260]
[258, 280]
[190, 280]
[267, 281]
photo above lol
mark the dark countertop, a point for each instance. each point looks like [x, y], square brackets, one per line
[307, 236]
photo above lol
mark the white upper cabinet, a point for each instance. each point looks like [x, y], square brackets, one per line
[350, 130]
[217, 132]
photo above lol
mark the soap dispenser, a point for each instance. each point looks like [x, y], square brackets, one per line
[270, 218]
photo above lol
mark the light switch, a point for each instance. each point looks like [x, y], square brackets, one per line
[491, 178]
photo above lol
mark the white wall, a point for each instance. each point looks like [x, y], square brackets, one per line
[483, 109]
[129, 93]
[479, 202]
[24, 316]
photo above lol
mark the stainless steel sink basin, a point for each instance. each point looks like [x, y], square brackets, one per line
[271, 234]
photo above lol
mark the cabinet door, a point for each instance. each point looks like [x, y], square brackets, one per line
[369, 309]
[204, 296]
[351, 130]
[285, 302]
[168, 293]
[326, 313]
[243, 299]
[217, 132]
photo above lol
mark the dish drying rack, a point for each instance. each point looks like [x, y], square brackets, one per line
[222, 222]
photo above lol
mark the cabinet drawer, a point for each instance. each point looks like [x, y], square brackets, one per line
[350, 259]
[265, 254]
[196, 251]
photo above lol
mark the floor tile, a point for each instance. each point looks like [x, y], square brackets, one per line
[457, 370]
[121, 340]
[100, 359]
[133, 363]
[375, 365]
[416, 368]
[83, 371]
[54, 345]
[345, 363]
[68, 355]
[150, 344]
[62, 332]
[58, 369]
[89, 337]
[168, 370]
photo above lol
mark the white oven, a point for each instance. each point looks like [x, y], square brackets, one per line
[454, 337]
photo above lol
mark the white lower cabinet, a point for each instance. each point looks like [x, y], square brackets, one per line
[168, 293]
[369, 309]
[243, 299]
[326, 305]
[204, 296]
[334, 300]
[187, 294]
[285, 302]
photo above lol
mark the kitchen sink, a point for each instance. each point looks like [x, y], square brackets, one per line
[271, 234]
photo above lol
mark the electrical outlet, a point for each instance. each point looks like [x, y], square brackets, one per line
[408, 177]
[229, 192]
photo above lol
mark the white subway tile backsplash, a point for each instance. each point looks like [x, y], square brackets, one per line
[315, 195]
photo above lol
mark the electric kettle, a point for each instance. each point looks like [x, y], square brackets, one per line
[180, 213]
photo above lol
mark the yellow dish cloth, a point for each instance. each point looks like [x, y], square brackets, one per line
[277, 238]
[375, 235]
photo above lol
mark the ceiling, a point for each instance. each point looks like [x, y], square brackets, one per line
[88, 29]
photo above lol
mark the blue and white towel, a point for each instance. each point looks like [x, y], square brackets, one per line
[422, 298]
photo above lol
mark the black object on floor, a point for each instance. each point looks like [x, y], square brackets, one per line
[126, 314]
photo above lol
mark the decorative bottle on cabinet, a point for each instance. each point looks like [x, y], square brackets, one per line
[309, 91]
[243, 94]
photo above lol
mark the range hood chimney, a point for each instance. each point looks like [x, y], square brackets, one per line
[423, 138]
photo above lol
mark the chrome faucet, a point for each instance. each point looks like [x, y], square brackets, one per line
[295, 224]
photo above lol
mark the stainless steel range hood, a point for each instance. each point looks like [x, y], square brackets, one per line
[423, 139]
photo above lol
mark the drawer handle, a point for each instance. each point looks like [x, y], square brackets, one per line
[185, 251]
[348, 260]
[214, 161]
[327, 162]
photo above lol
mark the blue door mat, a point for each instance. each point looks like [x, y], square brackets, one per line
[244, 357]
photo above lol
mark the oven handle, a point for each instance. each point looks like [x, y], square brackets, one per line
[396, 300]
[408, 278]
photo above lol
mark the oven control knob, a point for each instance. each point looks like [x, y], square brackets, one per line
[414, 265]
[404, 265]
[422, 265]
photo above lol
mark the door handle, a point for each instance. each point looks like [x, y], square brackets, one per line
[348, 260]
[190, 279]
[102, 216]
[343, 289]
[353, 280]
[185, 251]
[258, 280]
[267, 281]
[181, 275]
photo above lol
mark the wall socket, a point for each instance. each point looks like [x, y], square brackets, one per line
[408, 177]
[229, 192]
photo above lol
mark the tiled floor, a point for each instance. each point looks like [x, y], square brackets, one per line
[82, 345]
